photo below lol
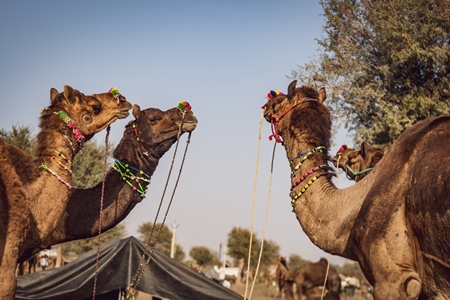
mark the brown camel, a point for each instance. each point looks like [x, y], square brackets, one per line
[358, 163]
[281, 272]
[34, 191]
[144, 142]
[395, 223]
[311, 275]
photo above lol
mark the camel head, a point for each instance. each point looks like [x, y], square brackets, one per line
[89, 113]
[358, 163]
[157, 130]
[300, 113]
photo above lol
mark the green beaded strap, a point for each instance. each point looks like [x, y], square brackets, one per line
[306, 155]
[125, 174]
[57, 176]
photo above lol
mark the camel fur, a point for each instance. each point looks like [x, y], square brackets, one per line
[157, 131]
[34, 190]
[396, 222]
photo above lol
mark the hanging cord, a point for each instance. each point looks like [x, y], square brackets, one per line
[265, 220]
[108, 129]
[141, 267]
[326, 278]
[253, 203]
[337, 169]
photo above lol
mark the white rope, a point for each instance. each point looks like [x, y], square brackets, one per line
[326, 278]
[253, 205]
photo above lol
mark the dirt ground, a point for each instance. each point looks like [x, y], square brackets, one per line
[262, 292]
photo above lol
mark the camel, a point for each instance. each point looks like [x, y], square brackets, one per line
[358, 163]
[34, 191]
[281, 272]
[396, 222]
[311, 275]
[144, 142]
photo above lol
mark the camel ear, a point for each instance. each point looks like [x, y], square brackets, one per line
[385, 150]
[69, 94]
[363, 149]
[53, 94]
[136, 111]
[291, 89]
[322, 95]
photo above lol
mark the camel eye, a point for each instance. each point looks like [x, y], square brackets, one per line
[154, 120]
[96, 109]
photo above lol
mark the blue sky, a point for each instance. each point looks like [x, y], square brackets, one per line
[220, 56]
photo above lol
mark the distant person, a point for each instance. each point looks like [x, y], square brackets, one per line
[43, 262]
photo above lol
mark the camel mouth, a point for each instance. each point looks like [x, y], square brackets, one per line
[189, 126]
[122, 114]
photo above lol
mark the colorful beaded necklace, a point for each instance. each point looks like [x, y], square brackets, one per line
[71, 124]
[306, 155]
[66, 164]
[136, 132]
[57, 176]
[125, 173]
[295, 196]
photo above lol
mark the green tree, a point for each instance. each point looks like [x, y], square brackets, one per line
[238, 245]
[21, 137]
[164, 239]
[89, 165]
[385, 64]
[203, 256]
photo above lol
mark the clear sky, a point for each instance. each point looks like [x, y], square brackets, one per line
[220, 56]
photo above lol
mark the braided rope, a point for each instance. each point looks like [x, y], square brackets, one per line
[141, 268]
[253, 203]
[265, 220]
[326, 278]
[101, 211]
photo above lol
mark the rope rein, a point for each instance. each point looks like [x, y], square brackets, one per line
[108, 129]
[326, 278]
[253, 204]
[265, 219]
[141, 267]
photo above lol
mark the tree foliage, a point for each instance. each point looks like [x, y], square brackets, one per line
[238, 247]
[385, 64]
[163, 236]
[203, 256]
[21, 137]
[89, 165]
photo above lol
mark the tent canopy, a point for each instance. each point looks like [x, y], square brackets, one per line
[118, 263]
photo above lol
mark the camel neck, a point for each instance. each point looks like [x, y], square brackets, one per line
[318, 203]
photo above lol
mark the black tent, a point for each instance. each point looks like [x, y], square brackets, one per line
[118, 262]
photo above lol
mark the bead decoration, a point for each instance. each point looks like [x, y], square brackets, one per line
[57, 176]
[300, 180]
[64, 166]
[317, 149]
[294, 198]
[125, 173]
[136, 132]
[71, 124]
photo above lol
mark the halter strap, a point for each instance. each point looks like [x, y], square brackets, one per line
[276, 119]
[347, 168]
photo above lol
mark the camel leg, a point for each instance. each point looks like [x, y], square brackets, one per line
[8, 275]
